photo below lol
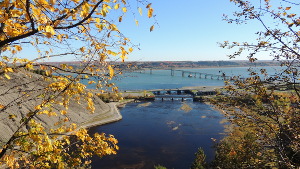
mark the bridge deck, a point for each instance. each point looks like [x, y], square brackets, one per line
[173, 96]
[199, 88]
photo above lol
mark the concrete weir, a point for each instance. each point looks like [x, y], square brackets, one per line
[195, 93]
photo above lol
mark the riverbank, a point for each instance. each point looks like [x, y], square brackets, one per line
[113, 115]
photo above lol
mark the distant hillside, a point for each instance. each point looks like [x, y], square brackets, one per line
[178, 64]
[199, 64]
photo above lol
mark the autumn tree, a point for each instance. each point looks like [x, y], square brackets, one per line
[32, 33]
[263, 109]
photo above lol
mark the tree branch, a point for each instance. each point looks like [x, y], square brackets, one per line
[83, 20]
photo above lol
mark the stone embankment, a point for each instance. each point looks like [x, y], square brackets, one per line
[20, 94]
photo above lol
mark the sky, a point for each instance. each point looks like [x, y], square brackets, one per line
[187, 31]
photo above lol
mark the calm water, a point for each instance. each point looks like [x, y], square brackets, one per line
[162, 133]
[162, 79]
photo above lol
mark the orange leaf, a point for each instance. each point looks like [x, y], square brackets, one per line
[151, 28]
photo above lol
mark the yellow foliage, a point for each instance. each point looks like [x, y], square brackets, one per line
[111, 71]
[150, 12]
[84, 30]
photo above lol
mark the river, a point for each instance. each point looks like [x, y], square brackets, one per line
[157, 132]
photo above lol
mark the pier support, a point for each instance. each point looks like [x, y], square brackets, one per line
[201, 75]
[172, 72]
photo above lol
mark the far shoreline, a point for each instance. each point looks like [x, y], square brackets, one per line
[208, 67]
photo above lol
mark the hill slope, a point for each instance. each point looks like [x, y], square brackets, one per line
[20, 94]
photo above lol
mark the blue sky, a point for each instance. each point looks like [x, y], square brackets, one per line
[185, 31]
[188, 31]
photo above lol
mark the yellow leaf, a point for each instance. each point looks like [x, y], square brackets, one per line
[151, 28]
[111, 71]
[130, 49]
[287, 8]
[117, 6]
[6, 75]
[5, 58]
[90, 94]
[63, 112]
[38, 107]
[44, 2]
[97, 20]
[82, 49]
[59, 37]
[123, 57]
[52, 2]
[136, 22]
[18, 48]
[29, 66]
[12, 116]
[150, 12]
[113, 27]
[149, 5]
[1, 106]
[86, 8]
[124, 9]
[8, 69]
[140, 11]
[50, 29]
